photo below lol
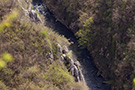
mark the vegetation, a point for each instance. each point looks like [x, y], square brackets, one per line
[25, 47]
[106, 29]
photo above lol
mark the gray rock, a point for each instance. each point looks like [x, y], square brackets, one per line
[61, 58]
[74, 68]
[50, 56]
[59, 48]
[75, 71]
[81, 75]
[71, 63]
[77, 63]
[72, 71]
[65, 56]
[65, 50]
[34, 16]
[76, 74]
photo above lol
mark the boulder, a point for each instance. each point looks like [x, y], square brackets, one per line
[59, 48]
[74, 67]
[77, 63]
[76, 74]
[65, 56]
[71, 62]
[50, 56]
[65, 49]
[81, 75]
[61, 58]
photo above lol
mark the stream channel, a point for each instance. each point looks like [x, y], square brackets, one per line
[89, 69]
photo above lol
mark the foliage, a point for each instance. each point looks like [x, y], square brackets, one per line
[106, 29]
[7, 57]
[25, 47]
[3, 86]
[59, 76]
[86, 35]
[8, 21]
[2, 63]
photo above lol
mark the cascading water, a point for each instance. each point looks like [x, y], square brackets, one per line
[93, 81]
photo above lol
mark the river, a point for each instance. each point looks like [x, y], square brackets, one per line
[89, 69]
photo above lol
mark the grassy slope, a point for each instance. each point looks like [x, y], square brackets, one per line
[106, 29]
[30, 44]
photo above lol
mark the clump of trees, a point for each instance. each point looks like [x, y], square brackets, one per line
[111, 42]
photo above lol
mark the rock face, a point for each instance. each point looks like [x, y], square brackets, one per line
[59, 48]
[34, 15]
[74, 66]
[30, 13]
[65, 50]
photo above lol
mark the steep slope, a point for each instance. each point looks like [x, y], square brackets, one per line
[29, 55]
[106, 29]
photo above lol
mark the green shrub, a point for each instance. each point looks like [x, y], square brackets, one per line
[8, 20]
[86, 35]
[3, 86]
[59, 76]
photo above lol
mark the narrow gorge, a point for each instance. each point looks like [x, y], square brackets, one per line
[67, 45]
[89, 70]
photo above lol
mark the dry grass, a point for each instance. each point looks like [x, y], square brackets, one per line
[29, 43]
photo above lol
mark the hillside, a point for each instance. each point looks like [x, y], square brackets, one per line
[106, 29]
[30, 53]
